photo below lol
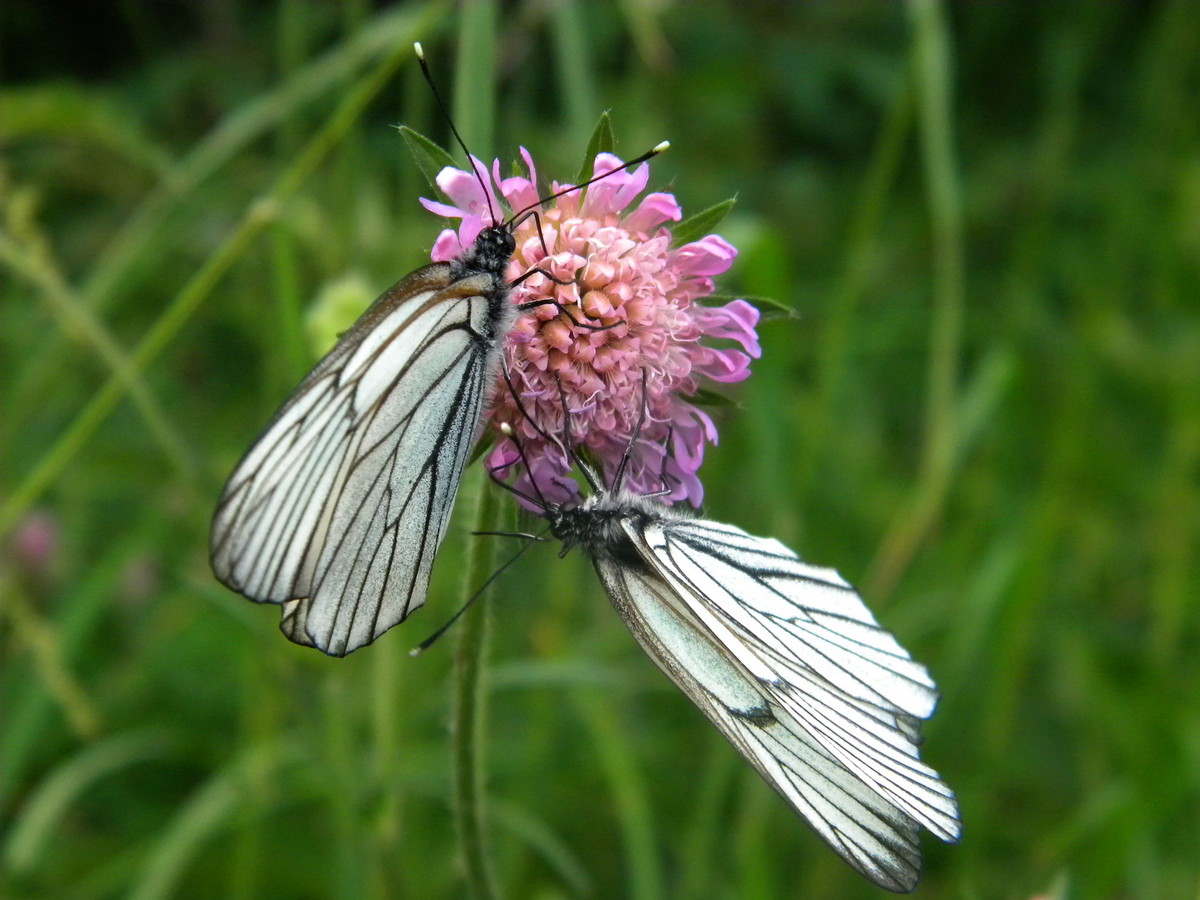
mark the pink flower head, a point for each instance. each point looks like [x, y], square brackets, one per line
[624, 314]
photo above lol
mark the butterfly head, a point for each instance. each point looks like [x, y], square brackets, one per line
[578, 525]
[489, 254]
[598, 525]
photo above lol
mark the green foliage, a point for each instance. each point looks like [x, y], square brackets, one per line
[984, 413]
[429, 157]
[702, 223]
[601, 141]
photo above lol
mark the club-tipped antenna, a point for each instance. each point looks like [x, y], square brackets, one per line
[487, 194]
[523, 535]
[518, 217]
[540, 501]
[508, 432]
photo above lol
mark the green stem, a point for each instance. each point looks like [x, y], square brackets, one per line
[468, 723]
[933, 79]
[474, 110]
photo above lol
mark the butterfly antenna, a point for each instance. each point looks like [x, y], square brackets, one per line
[520, 216]
[507, 430]
[593, 480]
[523, 535]
[665, 478]
[432, 639]
[637, 433]
[548, 438]
[570, 454]
[487, 194]
[521, 406]
[516, 492]
[540, 500]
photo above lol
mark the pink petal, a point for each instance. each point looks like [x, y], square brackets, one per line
[711, 255]
[468, 190]
[501, 457]
[725, 366]
[734, 321]
[618, 190]
[469, 230]
[441, 209]
[446, 247]
[520, 193]
[652, 212]
[684, 483]
[462, 188]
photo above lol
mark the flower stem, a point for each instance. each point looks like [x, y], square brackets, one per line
[468, 724]
[475, 111]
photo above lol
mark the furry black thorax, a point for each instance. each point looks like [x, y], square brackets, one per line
[488, 255]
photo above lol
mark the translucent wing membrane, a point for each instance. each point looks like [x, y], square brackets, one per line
[339, 507]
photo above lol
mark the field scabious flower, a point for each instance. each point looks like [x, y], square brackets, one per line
[624, 310]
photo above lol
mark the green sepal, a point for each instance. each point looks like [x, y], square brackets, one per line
[695, 227]
[705, 397]
[770, 308]
[430, 158]
[601, 141]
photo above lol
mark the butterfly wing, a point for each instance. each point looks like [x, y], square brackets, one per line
[344, 499]
[787, 661]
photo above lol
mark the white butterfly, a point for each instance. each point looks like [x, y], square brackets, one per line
[338, 508]
[786, 660]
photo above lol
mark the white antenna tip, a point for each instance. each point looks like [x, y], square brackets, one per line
[665, 145]
[506, 429]
[418, 50]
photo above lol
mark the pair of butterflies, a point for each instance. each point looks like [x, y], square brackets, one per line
[337, 510]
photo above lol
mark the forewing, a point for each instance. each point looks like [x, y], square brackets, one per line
[344, 499]
[810, 643]
[868, 831]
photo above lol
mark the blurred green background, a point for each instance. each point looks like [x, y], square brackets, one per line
[986, 414]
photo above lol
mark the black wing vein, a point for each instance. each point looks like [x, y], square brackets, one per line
[868, 830]
[337, 510]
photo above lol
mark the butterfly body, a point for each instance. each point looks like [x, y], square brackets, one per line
[786, 660]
